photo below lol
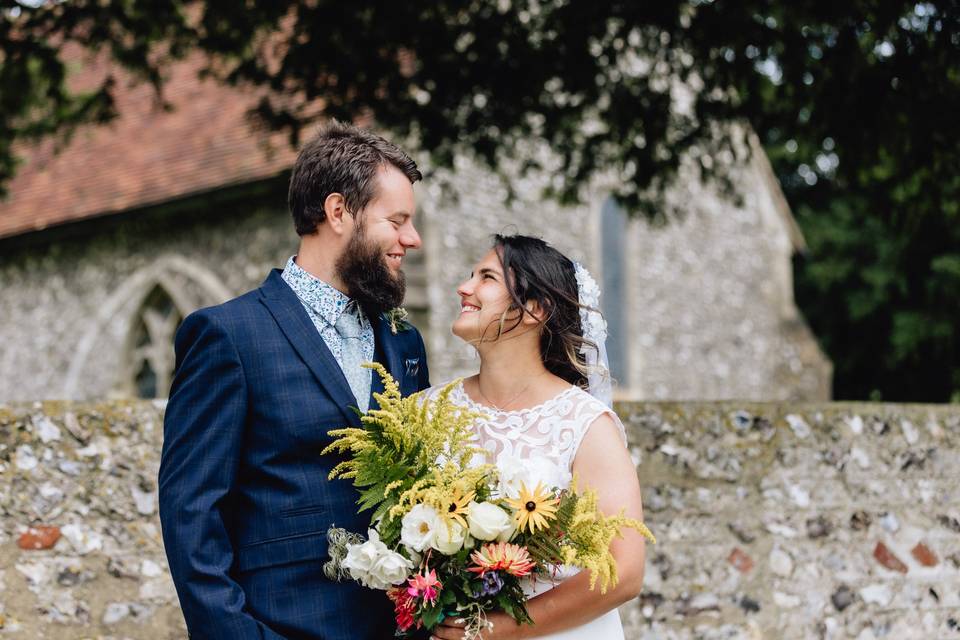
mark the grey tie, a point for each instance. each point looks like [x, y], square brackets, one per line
[351, 355]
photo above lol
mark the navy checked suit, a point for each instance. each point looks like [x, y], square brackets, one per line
[245, 503]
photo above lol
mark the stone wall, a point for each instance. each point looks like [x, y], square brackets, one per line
[774, 521]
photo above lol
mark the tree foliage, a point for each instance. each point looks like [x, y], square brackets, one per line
[855, 102]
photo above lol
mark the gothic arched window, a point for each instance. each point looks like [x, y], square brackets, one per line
[151, 352]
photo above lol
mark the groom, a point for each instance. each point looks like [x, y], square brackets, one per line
[245, 503]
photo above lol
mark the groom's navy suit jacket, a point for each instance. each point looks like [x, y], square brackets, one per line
[245, 502]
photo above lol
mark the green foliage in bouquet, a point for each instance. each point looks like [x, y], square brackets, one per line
[580, 535]
[393, 460]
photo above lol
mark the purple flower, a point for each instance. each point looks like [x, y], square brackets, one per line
[491, 583]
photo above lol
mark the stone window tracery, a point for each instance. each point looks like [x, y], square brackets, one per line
[151, 345]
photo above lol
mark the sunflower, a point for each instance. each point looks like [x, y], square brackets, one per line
[534, 508]
[458, 508]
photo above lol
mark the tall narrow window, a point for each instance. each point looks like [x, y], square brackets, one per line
[416, 301]
[613, 302]
[152, 356]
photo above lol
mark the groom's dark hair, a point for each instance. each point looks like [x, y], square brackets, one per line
[342, 159]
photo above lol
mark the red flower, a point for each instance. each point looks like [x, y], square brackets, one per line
[403, 608]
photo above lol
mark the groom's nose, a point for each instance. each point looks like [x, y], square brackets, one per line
[409, 237]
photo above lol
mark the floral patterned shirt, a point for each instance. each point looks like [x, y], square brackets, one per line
[324, 304]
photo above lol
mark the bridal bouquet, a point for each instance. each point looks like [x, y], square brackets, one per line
[452, 537]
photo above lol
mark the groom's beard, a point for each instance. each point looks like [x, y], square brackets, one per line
[363, 269]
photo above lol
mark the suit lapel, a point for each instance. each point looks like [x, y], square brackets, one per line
[296, 325]
[389, 347]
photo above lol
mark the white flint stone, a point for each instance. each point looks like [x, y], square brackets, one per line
[70, 467]
[89, 451]
[704, 601]
[146, 501]
[786, 600]
[25, 460]
[910, 433]
[877, 487]
[890, 522]
[799, 426]
[879, 594]
[781, 530]
[856, 424]
[831, 626]
[150, 569]
[935, 430]
[799, 496]
[66, 609]
[160, 588]
[48, 490]
[82, 538]
[46, 430]
[38, 574]
[781, 563]
[115, 612]
[860, 456]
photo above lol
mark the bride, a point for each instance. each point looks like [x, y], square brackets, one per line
[544, 389]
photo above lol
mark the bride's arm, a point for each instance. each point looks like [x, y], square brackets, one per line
[603, 464]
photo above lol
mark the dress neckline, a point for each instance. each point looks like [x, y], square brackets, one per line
[477, 406]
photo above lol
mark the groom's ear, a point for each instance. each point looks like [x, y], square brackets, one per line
[335, 210]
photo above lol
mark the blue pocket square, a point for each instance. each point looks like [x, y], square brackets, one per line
[412, 366]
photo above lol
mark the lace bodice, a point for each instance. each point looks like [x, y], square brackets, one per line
[553, 429]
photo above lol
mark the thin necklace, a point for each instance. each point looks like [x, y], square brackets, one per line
[511, 400]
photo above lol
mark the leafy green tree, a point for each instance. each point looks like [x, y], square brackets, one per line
[855, 102]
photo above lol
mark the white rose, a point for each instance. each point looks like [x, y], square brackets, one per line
[390, 569]
[508, 533]
[419, 527]
[361, 558]
[449, 538]
[487, 521]
[514, 472]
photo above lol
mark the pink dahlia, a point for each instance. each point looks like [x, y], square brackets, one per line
[502, 556]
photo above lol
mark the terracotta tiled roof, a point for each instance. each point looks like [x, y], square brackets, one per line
[145, 156]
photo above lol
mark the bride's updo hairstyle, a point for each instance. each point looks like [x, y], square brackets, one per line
[533, 270]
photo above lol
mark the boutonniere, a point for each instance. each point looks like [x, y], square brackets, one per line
[398, 319]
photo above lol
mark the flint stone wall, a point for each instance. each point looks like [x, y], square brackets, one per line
[774, 521]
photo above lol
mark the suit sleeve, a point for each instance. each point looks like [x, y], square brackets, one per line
[202, 435]
[423, 374]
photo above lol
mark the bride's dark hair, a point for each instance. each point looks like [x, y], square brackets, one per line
[533, 270]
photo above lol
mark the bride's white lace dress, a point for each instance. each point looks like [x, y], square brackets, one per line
[552, 430]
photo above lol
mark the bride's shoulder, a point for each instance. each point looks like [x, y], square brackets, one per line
[584, 401]
[592, 411]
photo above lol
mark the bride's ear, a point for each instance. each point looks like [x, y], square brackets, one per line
[535, 313]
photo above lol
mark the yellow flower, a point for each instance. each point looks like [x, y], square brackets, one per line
[458, 508]
[534, 508]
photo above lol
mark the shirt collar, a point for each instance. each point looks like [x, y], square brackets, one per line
[322, 298]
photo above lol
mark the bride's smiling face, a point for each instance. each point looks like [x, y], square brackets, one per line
[483, 300]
